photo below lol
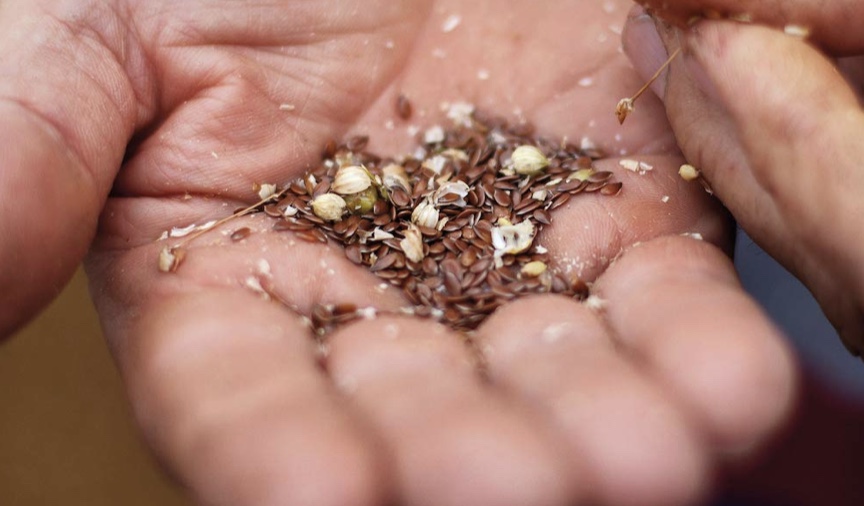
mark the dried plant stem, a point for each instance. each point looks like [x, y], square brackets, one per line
[238, 214]
[626, 105]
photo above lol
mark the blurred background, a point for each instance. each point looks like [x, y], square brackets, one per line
[66, 436]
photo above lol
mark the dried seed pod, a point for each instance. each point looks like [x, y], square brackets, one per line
[412, 244]
[512, 239]
[350, 180]
[425, 214]
[688, 172]
[624, 108]
[394, 176]
[329, 207]
[581, 175]
[170, 258]
[451, 193]
[362, 202]
[533, 269]
[265, 191]
[528, 160]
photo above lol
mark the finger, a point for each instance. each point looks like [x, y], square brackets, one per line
[226, 389]
[635, 444]
[676, 306]
[775, 132]
[833, 25]
[66, 111]
[453, 441]
[589, 231]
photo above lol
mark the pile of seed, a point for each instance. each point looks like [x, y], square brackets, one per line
[453, 226]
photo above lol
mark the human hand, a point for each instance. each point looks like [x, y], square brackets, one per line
[632, 405]
[775, 128]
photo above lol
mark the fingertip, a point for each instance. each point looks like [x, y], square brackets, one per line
[699, 333]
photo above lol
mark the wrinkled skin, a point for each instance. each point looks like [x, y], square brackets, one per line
[777, 130]
[634, 404]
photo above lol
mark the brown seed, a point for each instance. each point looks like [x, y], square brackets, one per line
[430, 266]
[468, 258]
[612, 189]
[502, 198]
[560, 200]
[384, 262]
[543, 216]
[357, 143]
[403, 107]
[307, 235]
[353, 253]
[240, 234]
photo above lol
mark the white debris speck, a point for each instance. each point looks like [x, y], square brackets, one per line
[460, 113]
[289, 211]
[540, 194]
[381, 235]
[541, 250]
[254, 284]
[168, 260]
[264, 268]
[435, 164]
[215, 155]
[266, 191]
[631, 165]
[382, 287]
[163, 236]
[554, 332]
[636, 166]
[389, 124]
[801, 32]
[693, 235]
[182, 231]
[412, 130]
[419, 153]
[287, 107]
[594, 303]
[586, 144]
[451, 23]
[367, 313]
[389, 44]
[586, 82]
[434, 135]
[665, 199]
[497, 137]
[483, 74]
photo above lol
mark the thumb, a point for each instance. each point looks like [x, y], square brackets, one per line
[65, 116]
[777, 131]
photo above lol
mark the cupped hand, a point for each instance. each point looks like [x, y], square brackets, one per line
[775, 122]
[634, 403]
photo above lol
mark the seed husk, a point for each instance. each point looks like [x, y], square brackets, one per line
[466, 262]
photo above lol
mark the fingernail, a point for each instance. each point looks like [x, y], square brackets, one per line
[645, 48]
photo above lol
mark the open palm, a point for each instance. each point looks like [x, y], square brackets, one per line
[198, 101]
